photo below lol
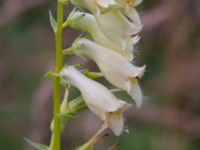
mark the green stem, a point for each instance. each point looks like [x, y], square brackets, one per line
[56, 133]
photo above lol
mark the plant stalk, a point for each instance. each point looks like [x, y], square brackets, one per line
[56, 133]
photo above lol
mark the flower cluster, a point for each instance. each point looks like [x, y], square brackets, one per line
[112, 26]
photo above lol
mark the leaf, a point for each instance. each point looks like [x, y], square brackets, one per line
[53, 22]
[36, 145]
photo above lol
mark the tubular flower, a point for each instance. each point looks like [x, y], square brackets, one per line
[98, 7]
[115, 68]
[121, 31]
[98, 98]
[87, 22]
[127, 7]
[107, 13]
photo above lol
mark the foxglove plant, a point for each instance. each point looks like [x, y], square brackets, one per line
[112, 26]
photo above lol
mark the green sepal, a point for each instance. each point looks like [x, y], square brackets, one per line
[64, 84]
[72, 50]
[92, 75]
[64, 119]
[68, 51]
[73, 21]
[53, 22]
[74, 107]
[36, 145]
[51, 75]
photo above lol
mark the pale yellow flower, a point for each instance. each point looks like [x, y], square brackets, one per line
[113, 22]
[87, 22]
[98, 98]
[115, 68]
[117, 28]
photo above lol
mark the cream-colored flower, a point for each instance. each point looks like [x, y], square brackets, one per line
[114, 22]
[87, 22]
[134, 17]
[116, 69]
[98, 98]
[116, 27]
[99, 7]
[127, 8]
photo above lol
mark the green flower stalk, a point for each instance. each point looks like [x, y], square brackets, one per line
[56, 133]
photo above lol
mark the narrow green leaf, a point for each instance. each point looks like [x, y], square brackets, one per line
[68, 51]
[36, 145]
[72, 21]
[53, 22]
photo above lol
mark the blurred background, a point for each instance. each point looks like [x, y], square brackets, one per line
[169, 46]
